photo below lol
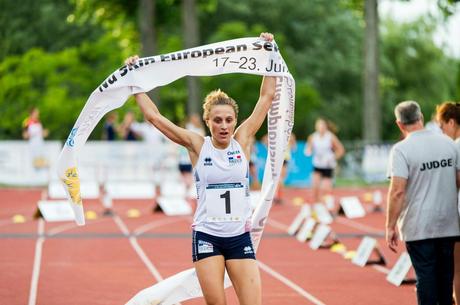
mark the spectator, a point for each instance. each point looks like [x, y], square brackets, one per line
[34, 132]
[195, 124]
[433, 124]
[125, 129]
[154, 139]
[422, 200]
[109, 130]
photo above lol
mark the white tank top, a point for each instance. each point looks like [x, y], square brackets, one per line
[323, 154]
[222, 182]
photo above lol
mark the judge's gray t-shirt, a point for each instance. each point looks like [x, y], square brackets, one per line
[429, 162]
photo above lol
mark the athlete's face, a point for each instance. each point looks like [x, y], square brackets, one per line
[221, 124]
[321, 126]
[448, 128]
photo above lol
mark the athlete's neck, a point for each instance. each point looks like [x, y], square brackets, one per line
[219, 145]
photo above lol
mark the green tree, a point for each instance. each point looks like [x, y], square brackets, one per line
[414, 68]
[45, 24]
[58, 83]
[321, 42]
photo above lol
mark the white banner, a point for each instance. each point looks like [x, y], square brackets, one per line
[245, 55]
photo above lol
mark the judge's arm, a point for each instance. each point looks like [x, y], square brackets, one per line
[395, 202]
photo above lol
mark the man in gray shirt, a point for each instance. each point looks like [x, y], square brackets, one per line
[422, 200]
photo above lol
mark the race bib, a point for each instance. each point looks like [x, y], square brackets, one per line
[225, 202]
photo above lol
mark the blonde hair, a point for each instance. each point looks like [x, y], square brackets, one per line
[218, 97]
[447, 111]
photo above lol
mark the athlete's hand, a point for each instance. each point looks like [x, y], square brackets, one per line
[267, 36]
[392, 239]
[131, 60]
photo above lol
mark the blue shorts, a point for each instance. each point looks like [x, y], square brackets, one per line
[235, 247]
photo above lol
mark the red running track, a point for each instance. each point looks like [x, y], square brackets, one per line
[60, 263]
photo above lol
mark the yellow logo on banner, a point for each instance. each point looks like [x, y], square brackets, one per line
[72, 182]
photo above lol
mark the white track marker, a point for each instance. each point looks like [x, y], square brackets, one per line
[357, 225]
[382, 269]
[37, 263]
[290, 284]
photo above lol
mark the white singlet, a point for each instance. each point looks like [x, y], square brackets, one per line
[323, 154]
[222, 182]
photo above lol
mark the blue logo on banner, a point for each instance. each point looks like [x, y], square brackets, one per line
[70, 140]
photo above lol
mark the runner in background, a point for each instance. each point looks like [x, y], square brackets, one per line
[326, 149]
[222, 221]
[33, 131]
[448, 118]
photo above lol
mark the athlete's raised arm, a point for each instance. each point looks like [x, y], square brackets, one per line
[189, 139]
[267, 92]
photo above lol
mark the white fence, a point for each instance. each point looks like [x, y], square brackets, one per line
[99, 161]
[102, 162]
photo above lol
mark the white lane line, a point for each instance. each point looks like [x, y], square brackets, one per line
[37, 263]
[155, 224]
[121, 225]
[148, 263]
[4, 222]
[278, 225]
[140, 252]
[133, 241]
[358, 225]
[290, 284]
[9, 221]
[68, 226]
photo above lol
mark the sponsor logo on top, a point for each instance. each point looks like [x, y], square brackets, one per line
[207, 161]
[234, 157]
